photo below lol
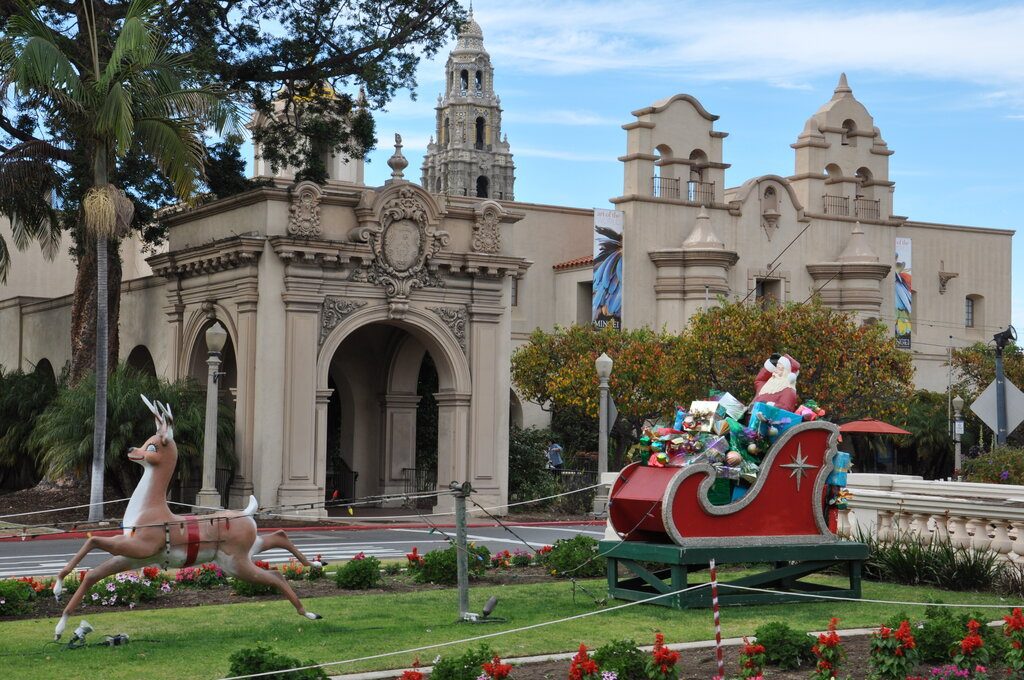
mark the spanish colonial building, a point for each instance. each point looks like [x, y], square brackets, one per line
[371, 327]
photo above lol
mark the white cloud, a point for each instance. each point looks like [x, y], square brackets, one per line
[743, 41]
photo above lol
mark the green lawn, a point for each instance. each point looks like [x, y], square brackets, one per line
[196, 642]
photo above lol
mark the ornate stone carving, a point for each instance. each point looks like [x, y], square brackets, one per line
[403, 244]
[486, 237]
[333, 311]
[455, 319]
[304, 213]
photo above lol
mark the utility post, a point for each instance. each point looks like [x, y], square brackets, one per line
[208, 496]
[603, 366]
[461, 491]
[958, 429]
[1002, 338]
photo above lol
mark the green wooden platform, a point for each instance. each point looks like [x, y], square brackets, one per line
[787, 564]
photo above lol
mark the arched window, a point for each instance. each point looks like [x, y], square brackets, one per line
[849, 138]
[479, 81]
[482, 186]
[480, 123]
[863, 176]
[698, 189]
[664, 184]
[464, 80]
[447, 132]
[973, 311]
[437, 184]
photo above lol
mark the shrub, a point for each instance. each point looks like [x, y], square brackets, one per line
[440, 566]
[261, 659]
[466, 666]
[580, 502]
[958, 568]
[661, 665]
[894, 653]
[204, 576]
[784, 647]
[1002, 465]
[1010, 582]
[521, 558]
[23, 398]
[943, 629]
[622, 657]
[15, 597]
[247, 589]
[296, 571]
[576, 557]
[528, 475]
[126, 588]
[359, 573]
[392, 568]
[902, 559]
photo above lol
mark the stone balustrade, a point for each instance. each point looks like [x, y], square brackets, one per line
[970, 515]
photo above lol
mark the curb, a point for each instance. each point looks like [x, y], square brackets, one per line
[342, 527]
[566, 656]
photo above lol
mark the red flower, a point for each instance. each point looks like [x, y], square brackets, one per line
[497, 670]
[1015, 621]
[150, 572]
[971, 643]
[582, 666]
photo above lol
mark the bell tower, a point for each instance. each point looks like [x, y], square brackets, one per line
[470, 156]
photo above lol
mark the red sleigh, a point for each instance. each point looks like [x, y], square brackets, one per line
[786, 503]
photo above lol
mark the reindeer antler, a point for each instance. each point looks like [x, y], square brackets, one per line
[163, 417]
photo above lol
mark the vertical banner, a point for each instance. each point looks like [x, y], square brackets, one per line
[904, 293]
[607, 300]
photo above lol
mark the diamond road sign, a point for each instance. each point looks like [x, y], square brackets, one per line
[985, 406]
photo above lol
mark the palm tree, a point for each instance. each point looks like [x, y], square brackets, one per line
[127, 89]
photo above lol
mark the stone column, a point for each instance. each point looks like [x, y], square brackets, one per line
[489, 338]
[323, 399]
[299, 462]
[245, 403]
[175, 316]
[399, 441]
[453, 412]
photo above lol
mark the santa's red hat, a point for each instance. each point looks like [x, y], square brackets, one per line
[789, 362]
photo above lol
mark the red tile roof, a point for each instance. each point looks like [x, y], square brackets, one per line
[577, 262]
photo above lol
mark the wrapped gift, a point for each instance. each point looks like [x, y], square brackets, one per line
[677, 423]
[728, 472]
[841, 464]
[720, 426]
[716, 446]
[749, 471]
[771, 420]
[700, 416]
[730, 407]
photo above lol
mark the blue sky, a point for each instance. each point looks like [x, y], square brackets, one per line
[944, 82]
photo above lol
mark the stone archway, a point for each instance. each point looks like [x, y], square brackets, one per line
[380, 360]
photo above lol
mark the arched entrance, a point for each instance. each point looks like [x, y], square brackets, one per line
[386, 381]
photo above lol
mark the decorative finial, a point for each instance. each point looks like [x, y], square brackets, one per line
[361, 99]
[397, 162]
[843, 87]
[703, 235]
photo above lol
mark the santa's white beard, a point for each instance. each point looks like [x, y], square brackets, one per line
[775, 385]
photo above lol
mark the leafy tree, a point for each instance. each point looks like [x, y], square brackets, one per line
[62, 435]
[854, 371]
[23, 397]
[137, 95]
[557, 370]
[930, 441]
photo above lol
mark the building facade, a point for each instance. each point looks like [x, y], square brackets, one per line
[342, 300]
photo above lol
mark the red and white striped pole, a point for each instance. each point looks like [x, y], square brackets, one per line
[718, 623]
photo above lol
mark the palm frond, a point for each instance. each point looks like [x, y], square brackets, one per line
[41, 66]
[115, 120]
[177, 150]
[5, 260]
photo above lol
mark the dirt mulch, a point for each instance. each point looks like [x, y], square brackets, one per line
[45, 606]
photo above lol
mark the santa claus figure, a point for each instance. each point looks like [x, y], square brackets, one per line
[776, 382]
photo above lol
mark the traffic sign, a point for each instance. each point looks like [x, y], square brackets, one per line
[985, 406]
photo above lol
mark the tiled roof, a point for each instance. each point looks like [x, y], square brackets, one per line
[577, 262]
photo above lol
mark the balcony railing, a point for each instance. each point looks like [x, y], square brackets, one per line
[664, 187]
[700, 192]
[836, 205]
[867, 208]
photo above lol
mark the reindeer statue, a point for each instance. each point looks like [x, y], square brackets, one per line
[154, 535]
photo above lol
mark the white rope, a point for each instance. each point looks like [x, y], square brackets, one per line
[473, 639]
[277, 515]
[818, 596]
[69, 507]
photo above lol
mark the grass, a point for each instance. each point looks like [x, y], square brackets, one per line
[196, 642]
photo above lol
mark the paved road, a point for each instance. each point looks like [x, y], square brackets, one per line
[46, 557]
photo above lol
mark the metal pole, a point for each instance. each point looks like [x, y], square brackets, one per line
[460, 491]
[208, 495]
[601, 497]
[1000, 397]
[957, 457]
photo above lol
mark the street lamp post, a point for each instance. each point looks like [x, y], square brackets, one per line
[208, 495]
[1002, 339]
[603, 364]
[958, 429]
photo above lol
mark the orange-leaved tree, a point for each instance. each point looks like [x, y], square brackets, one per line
[852, 370]
[556, 369]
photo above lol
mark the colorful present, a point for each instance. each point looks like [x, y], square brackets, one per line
[728, 472]
[677, 423]
[700, 416]
[841, 464]
[809, 410]
[730, 407]
[771, 420]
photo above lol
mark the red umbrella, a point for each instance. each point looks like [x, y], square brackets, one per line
[870, 426]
